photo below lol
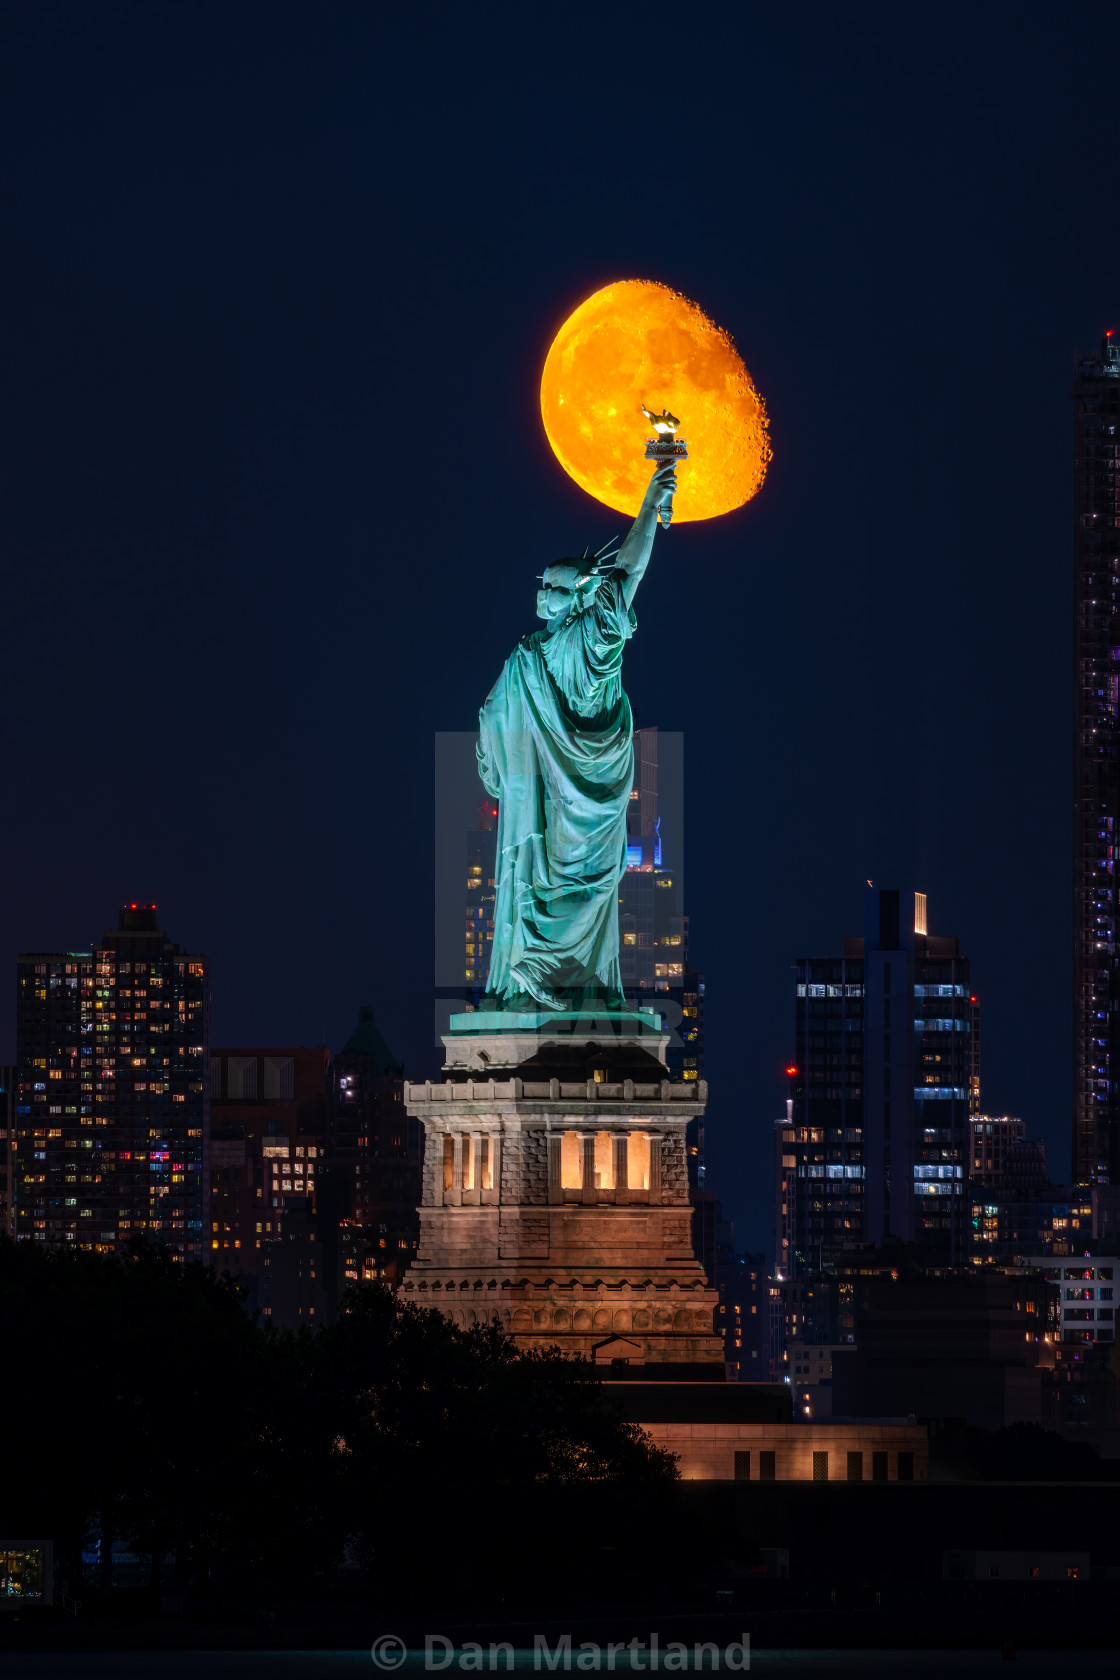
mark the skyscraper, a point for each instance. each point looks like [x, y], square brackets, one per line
[992, 1138]
[112, 1117]
[652, 926]
[918, 1064]
[374, 1153]
[819, 1145]
[876, 1141]
[1096, 975]
[9, 1085]
[743, 1315]
[268, 1121]
[478, 931]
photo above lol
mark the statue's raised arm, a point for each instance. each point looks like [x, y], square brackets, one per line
[633, 557]
[556, 750]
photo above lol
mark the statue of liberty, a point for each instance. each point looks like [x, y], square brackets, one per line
[556, 751]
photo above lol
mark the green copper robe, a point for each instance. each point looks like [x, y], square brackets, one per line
[556, 751]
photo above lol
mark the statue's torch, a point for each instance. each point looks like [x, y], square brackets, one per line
[666, 446]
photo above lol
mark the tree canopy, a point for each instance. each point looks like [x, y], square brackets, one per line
[146, 1404]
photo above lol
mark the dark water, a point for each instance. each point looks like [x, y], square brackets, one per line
[341, 1665]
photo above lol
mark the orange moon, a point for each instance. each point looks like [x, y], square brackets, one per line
[636, 342]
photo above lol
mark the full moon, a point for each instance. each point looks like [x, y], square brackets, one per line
[636, 342]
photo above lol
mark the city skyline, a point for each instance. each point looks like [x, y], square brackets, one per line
[502, 1065]
[192, 469]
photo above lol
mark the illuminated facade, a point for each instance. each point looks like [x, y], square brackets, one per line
[917, 1079]
[992, 1137]
[1085, 1290]
[112, 1116]
[267, 1131]
[974, 1102]
[1016, 1214]
[869, 1449]
[1013, 1223]
[478, 930]
[875, 1143]
[375, 1149]
[1096, 955]
[1088, 1299]
[810, 1376]
[555, 1191]
[9, 1083]
[652, 927]
[819, 1145]
[817, 1310]
[743, 1315]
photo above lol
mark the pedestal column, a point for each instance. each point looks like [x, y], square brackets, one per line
[587, 1156]
[621, 1151]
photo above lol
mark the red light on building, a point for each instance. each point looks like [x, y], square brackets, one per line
[791, 1071]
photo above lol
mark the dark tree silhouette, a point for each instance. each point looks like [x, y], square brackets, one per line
[148, 1406]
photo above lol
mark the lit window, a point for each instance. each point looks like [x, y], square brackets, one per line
[571, 1163]
[604, 1161]
[637, 1161]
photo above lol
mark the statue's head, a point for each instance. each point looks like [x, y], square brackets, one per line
[568, 587]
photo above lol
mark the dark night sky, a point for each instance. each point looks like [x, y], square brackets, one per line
[276, 286]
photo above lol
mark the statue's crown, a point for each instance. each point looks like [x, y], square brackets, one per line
[590, 567]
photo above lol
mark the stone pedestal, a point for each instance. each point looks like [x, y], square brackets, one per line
[555, 1195]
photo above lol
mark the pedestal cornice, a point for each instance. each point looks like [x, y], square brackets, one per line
[527, 1098]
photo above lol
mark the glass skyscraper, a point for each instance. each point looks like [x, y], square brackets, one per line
[1096, 980]
[819, 1146]
[875, 1144]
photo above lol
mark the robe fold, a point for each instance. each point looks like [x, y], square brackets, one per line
[556, 751]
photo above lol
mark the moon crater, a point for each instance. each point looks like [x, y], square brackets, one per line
[635, 342]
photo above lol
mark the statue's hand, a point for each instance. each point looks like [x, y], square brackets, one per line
[662, 484]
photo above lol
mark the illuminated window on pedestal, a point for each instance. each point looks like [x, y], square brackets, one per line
[604, 1161]
[571, 1175]
[637, 1161]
